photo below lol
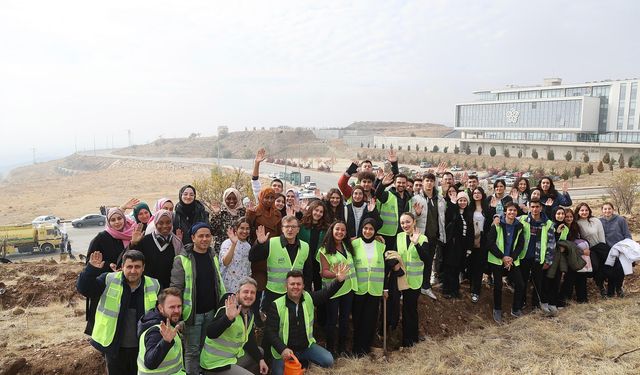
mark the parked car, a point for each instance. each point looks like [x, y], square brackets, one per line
[526, 175]
[455, 168]
[310, 185]
[425, 164]
[87, 220]
[46, 219]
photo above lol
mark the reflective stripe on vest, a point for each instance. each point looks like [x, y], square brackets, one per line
[370, 276]
[279, 264]
[189, 284]
[228, 347]
[170, 365]
[350, 282]
[106, 319]
[411, 259]
[389, 215]
[283, 313]
[500, 244]
[543, 237]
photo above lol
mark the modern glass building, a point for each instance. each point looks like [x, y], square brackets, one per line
[592, 112]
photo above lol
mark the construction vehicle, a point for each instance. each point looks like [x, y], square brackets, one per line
[28, 238]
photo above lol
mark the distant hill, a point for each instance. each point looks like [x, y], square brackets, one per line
[402, 129]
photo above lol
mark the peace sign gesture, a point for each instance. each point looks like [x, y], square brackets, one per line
[232, 309]
[168, 333]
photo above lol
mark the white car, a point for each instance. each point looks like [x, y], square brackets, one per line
[46, 219]
[455, 168]
[310, 186]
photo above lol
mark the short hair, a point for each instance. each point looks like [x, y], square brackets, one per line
[417, 179]
[243, 219]
[536, 201]
[411, 215]
[166, 292]
[447, 173]
[294, 273]
[277, 180]
[366, 161]
[364, 175]
[608, 204]
[410, 180]
[472, 177]
[134, 255]
[430, 176]
[289, 218]
[401, 175]
[247, 280]
[500, 181]
[510, 204]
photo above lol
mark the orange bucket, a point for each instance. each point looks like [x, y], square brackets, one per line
[292, 366]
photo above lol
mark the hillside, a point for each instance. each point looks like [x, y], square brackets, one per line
[402, 129]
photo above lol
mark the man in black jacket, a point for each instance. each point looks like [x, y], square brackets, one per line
[162, 346]
[289, 326]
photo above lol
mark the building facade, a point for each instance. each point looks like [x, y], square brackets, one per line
[592, 118]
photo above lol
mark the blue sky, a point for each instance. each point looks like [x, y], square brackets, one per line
[72, 71]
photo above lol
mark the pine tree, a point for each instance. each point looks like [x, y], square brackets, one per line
[600, 167]
[534, 153]
[492, 151]
[551, 155]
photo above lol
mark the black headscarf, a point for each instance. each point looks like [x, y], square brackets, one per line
[375, 230]
[187, 210]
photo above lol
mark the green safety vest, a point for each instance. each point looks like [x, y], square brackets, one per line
[350, 282]
[106, 318]
[543, 237]
[500, 243]
[279, 264]
[189, 284]
[411, 259]
[228, 347]
[389, 215]
[370, 276]
[283, 313]
[172, 362]
[564, 234]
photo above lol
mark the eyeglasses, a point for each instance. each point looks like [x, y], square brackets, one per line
[289, 226]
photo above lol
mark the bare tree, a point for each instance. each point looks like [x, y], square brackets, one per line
[624, 190]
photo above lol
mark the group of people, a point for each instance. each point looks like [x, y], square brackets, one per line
[181, 289]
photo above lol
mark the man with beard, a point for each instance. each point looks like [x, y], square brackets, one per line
[231, 334]
[125, 296]
[160, 344]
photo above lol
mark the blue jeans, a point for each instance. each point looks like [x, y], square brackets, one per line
[315, 353]
[194, 336]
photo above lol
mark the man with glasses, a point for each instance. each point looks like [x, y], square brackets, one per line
[283, 254]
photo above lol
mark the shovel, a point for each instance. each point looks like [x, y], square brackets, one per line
[384, 325]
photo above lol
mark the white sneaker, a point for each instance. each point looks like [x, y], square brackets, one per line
[553, 310]
[545, 309]
[429, 293]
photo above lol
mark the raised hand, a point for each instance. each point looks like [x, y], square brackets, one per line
[137, 234]
[417, 208]
[514, 194]
[130, 204]
[442, 167]
[179, 233]
[465, 177]
[232, 309]
[261, 155]
[303, 205]
[251, 206]
[565, 187]
[341, 270]
[549, 202]
[261, 236]
[371, 205]
[494, 201]
[452, 195]
[114, 267]
[392, 156]
[231, 234]
[95, 259]
[380, 174]
[415, 237]
[216, 207]
[290, 211]
[317, 193]
[496, 221]
[168, 333]
[388, 179]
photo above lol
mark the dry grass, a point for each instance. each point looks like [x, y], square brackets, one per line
[582, 339]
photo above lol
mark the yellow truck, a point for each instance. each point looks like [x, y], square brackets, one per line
[28, 238]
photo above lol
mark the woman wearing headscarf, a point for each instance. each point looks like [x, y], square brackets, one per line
[159, 248]
[188, 212]
[269, 217]
[111, 242]
[225, 215]
[161, 204]
[142, 215]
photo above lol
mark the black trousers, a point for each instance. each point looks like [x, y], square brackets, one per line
[477, 266]
[526, 267]
[515, 276]
[450, 279]
[428, 263]
[574, 280]
[410, 317]
[123, 363]
[338, 311]
[365, 320]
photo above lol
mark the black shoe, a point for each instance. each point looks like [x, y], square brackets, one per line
[603, 292]
[620, 292]
[448, 296]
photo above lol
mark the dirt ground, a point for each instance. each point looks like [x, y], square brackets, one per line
[42, 319]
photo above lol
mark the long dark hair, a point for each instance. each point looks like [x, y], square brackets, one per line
[329, 243]
[307, 218]
[483, 201]
[576, 211]
[527, 190]
[553, 193]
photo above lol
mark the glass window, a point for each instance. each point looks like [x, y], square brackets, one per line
[623, 94]
[632, 106]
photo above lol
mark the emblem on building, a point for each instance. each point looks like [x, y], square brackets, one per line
[512, 116]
